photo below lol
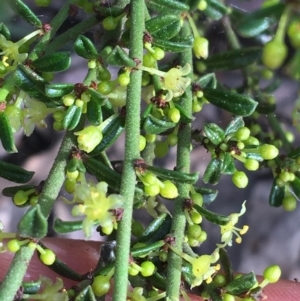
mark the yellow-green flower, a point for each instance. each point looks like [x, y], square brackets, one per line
[89, 138]
[95, 205]
[173, 80]
[34, 113]
[10, 50]
[203, 269]
[229, 229]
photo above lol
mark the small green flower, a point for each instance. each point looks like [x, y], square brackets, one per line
[202, 267]
[89, 138]
[95, 205]
[33, 114]
[10, 51]
[229, 229]
[173, 80]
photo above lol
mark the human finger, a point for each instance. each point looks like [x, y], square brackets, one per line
[82, 257]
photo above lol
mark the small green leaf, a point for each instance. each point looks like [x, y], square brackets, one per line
[72, 117]
[226, 265]
[102, 171]
[15, 173]
[176, 44]
[164, 26]
[21, 9]
[253, 28]
[213, 291]
[146, 250]
[296, 186]
[29, 81]
[208, 194]
[253, 24]
[157, 229]
[212, 217]
[212, 173]
[54, 62]
[5, 31]
[235, 124]
[61, 226]
[96, 96]
[187, 272]
[234, 103]
[276, 194]
[241, 285]
[265, 108]
[58, 90]
[228, 167]
[159, 281]
[60, 268]
[6, 134]
[31, 287]
[103, 10]
[173, 175]
[94, 112]
[86, 294]
[110, 133]
[153, 125]
[215, 9]
[118, 57]
[33, 223]
[208, 80]
[214, 133]
[167, 5]
[84, 47]
[233, 59]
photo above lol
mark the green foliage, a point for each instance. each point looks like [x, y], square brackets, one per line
[149, 73]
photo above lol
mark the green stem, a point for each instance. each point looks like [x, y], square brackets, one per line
[131, 152]
[15, 275]
[231, 36]
[55, 25]
[56, 176]
[72, 34]
[183, 164]
[283, 22]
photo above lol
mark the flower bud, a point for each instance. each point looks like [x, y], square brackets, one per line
[268, 151]
[89, 138]
[240, 179]
[169, 191]
[200, 47]
[272, 273]
[274, 53]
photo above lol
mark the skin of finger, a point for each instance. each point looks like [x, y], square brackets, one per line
[82, 256]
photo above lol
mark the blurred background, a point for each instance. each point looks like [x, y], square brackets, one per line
[273, 237]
